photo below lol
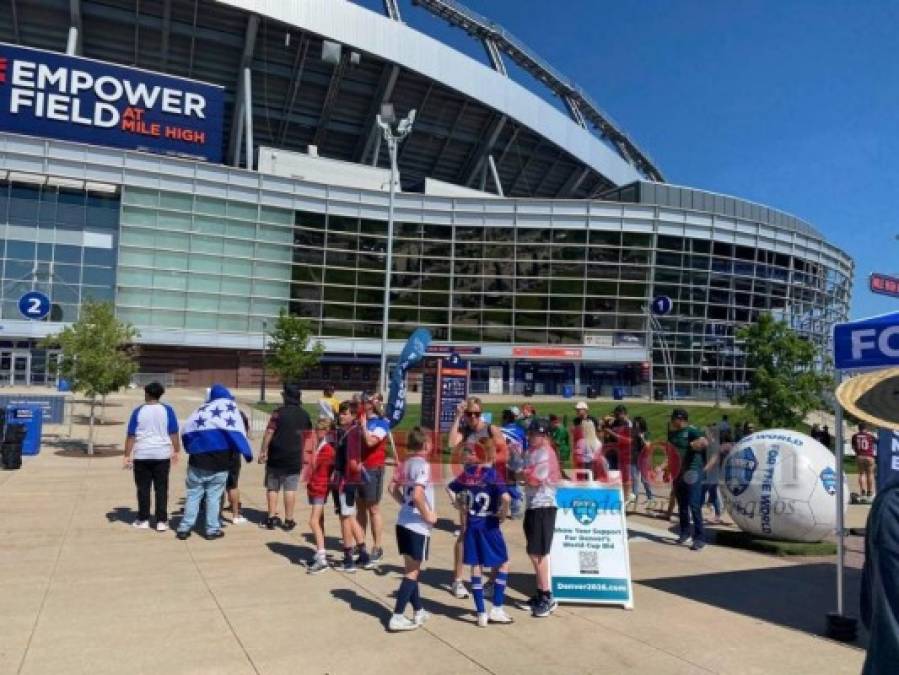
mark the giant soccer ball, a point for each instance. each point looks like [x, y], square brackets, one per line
[781, 484]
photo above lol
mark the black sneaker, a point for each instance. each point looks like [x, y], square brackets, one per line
[365, 561]
[217, 534]
[376, 556]
[698, 545]
[542, 608]
[272, 522]
[289, 525]
[182, 535]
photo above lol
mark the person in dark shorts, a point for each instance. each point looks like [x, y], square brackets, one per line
[346, 480]
[541, 475]
[412, 488]
[375, 432]
[288, 433]
[231, 485]
[691, 446]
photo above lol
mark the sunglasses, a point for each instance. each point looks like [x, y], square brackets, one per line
[473, 413]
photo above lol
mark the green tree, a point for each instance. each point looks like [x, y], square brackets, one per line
[97, 355]
[293, 350]
[788, 380]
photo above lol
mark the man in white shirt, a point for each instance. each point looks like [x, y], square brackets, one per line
[152, 446]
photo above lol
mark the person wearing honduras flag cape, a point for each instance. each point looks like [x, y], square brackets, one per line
[211, 433]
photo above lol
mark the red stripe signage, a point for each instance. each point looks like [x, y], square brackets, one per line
[884, 284]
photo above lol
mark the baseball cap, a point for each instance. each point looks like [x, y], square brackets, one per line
[581, 405]
[538, 426]
[515, 411]
[679, 414]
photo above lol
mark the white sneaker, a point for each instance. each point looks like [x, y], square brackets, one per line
[399, 622]
[421, 616]
[483, 618]
[459, 590]
[162, 527]
[141, 524]
[498, 615]
[238, 520]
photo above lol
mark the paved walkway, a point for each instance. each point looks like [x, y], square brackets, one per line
[82, 592]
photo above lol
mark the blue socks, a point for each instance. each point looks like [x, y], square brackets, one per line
[404, 594]
[477, 590]
[415, 599]
[499, 589]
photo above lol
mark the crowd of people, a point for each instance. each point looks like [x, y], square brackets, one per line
[494, 472]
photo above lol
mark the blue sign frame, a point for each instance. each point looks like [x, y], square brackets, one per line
[867, 343]
[55, 95]
[34, 305]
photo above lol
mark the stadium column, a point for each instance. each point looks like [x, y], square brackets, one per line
[577, 377]
[511, 377]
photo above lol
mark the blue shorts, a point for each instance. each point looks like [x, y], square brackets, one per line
[484, 546]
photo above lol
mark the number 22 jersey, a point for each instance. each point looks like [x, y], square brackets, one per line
[483, 492]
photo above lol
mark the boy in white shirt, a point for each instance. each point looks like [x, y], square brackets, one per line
[152, 446]
[412, 488]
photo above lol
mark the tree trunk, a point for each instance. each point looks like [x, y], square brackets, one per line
[103, 410]
[90, 433]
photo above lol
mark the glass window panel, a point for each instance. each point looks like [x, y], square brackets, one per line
[45, 252]
[24, 203]
[201, 244]
[282, 235]
[306, 291]
[532, 302]
[270, 214]
[64, 293]
[133, 297]
[235, 323]
[236, 228]
[237, 286]
[140, 197]
[271, 271]
[132, 316]
[170, 260]
[20, 250]
[167, 300]
[238, 248]
[67, 254]
[176, 241]
[270, 252]
[49, 198]
[370, 279]
[202, 303]
[342, 224]
[175, 281]
[369, 296]
[202, 321]
[71, 208]
[135, 237]
[243, 211]
[337, 328]
[143, 217]
[203, 283]
[366, 313]
[268, 307]
[98, 276]
[69, 274]
[308, 237]
[235, 305]
[210, 206]
[336, 310]
[271, 289]
[437, 232]
[208, 225]
[132, 277]
[238, 267]
[202, 263]
[167, 319]
[562, 303]
[338, 294]
[176, 201]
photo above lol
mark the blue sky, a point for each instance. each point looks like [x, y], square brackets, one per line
[793, 104]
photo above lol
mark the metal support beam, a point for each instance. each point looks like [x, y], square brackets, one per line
[14, 13]
[570, 186]
[296, 78]
[166, 32]
[547, 173]
[476, 164]
[495, 174]
[73, 47]
[575, 111]
[238, 115]
[367, 143]
[392, 10]
[419, 125]
[524, 167]
[248, 114]
[449, 137]
[495, 56]
[321, 129]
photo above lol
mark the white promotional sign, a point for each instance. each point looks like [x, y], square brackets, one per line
[589, 560]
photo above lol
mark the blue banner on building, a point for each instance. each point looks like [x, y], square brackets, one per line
[412, 353]
[54, 95]
[887, 457]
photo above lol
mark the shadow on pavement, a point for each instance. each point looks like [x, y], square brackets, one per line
[359, 603]
[331, 543]
[295, 553]
[797, 597]
[122, 514]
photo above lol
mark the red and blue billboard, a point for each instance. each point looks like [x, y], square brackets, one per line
[54, 95]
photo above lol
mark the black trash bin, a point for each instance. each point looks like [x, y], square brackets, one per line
[659, 394]
[591, 391]
[529, 389]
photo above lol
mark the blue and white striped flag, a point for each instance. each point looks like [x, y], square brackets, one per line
[215, 426]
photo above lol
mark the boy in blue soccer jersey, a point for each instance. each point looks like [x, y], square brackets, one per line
[412, 488]
[484, 500]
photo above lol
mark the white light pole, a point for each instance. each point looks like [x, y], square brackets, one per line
[393, 138]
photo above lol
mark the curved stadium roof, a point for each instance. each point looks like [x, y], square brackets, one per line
[466, 110]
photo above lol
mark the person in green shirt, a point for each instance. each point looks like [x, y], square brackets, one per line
[560, 439]
[690, 444]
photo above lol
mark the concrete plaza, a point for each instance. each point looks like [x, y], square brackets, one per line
[83, 592]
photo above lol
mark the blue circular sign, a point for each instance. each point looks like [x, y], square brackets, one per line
[34, 305]
[662, 304]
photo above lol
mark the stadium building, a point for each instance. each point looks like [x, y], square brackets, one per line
[205, 164]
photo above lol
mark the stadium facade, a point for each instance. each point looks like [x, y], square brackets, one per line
[531, 238]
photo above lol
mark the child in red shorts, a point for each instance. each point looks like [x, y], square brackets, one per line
[321, 466]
